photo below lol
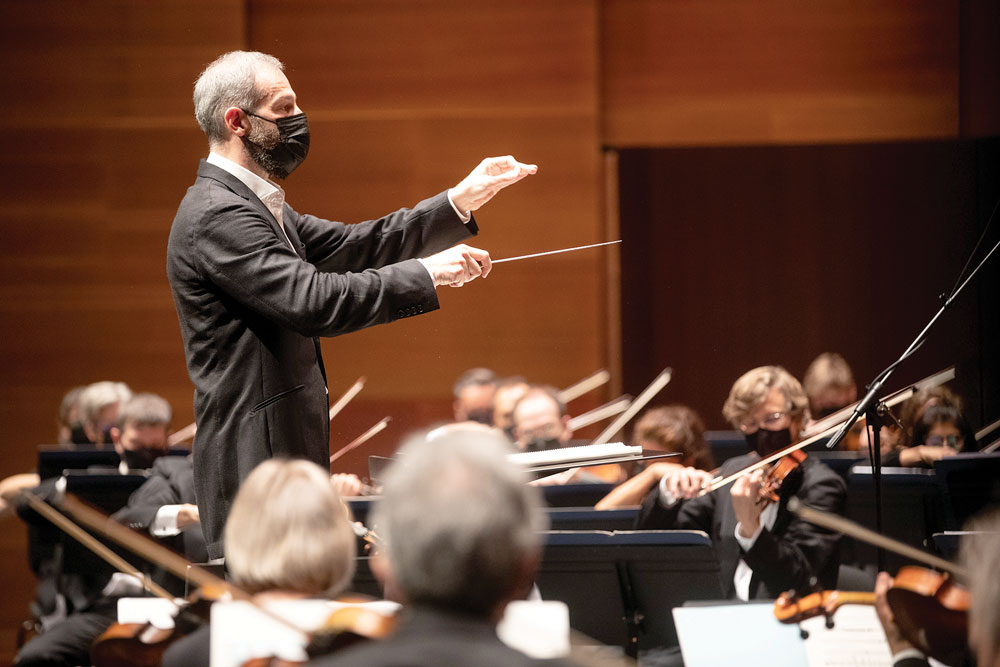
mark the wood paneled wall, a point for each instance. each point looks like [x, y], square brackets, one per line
[404, 98]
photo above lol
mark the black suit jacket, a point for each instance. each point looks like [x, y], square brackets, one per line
[251, 308]
[171, 482]
[433, 638]
[784, 558]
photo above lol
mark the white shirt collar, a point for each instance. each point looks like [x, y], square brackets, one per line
[270, 193]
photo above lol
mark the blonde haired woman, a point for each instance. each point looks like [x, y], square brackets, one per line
[288, 536]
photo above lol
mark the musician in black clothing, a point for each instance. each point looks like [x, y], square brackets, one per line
[763, 548]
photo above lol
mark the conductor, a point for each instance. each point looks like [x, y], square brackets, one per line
[255, 283]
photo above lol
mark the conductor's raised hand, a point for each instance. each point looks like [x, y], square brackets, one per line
[491, 176]
[458, 265]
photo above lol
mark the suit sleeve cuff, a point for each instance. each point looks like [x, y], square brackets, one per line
[667, 499]
[464, 217]
[746, 543]
[165, 522]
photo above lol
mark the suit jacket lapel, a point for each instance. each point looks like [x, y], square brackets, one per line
[207, 170]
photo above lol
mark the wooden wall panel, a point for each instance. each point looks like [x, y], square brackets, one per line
[446, 58]
[725, 71]
[100, 144]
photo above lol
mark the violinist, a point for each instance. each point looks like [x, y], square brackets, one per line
[980, 553]
[461, 533]
[667, 428]
[288, 536]
[507, 393]
[763, 549]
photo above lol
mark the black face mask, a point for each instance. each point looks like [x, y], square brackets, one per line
[766, 442]
[480, 416]
[290, 150]
[78, 436]
[542, 444]
[142, 458]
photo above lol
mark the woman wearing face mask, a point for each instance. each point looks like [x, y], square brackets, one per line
[763, 549]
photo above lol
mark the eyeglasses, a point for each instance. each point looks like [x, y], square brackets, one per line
[941, 440]
[769, 422]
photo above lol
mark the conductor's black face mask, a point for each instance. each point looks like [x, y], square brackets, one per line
[279, 156]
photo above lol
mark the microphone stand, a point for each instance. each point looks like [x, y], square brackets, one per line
[872, 408]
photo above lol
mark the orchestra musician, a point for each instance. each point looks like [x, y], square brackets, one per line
[539, 420]
[763, 549]
[75, 606]
[508, 392]
[255, 283]
[473, 394]
[288, 537]
[460, 528]
[667, 428]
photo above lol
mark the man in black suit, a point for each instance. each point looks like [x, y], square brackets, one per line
[255, 283]
[763, 549]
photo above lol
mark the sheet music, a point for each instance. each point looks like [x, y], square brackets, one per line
[856, 639]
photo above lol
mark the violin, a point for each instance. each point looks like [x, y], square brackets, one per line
[930, 608]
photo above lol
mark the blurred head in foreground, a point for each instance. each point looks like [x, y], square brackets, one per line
[289, 531]
[459, 523]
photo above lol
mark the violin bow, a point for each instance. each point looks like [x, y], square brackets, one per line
[182, 435]
[361, 439]
[93, 544]
[610, 409]
[160, 555]
[830, 425]
[658, 383]
[587, 384]
[859, 532]
[348, 396]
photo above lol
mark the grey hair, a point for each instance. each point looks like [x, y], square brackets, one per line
[288, 530]
[145, 410]
[229, 81]
[459, 520]
[98, 396]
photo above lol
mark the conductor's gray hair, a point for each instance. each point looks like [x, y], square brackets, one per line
[229, 81]
[288, 530]
[459, 520]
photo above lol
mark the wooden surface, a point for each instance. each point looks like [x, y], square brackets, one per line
[403, 99]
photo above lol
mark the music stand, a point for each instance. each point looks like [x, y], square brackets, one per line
[621, 586]
[575, 495]
[587, 518]
[970, 482]
[912, 509]
[54, 459]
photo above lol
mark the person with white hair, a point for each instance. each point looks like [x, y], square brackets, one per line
[288, 537]
[256, 283]
[461, 533]
[98, 405]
